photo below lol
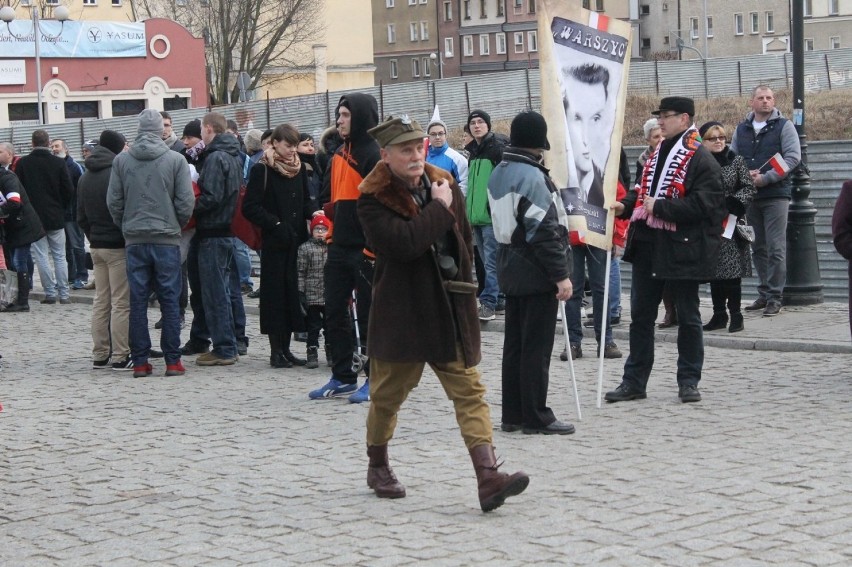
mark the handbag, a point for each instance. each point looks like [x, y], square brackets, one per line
[745, 232]
[8, 287]
[243, 228]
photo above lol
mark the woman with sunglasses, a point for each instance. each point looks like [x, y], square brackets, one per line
[734, 258]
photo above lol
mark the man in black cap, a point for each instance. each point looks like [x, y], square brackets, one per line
[675, 232]
[533, 267]
[424, 306]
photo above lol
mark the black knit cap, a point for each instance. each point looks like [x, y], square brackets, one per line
[480, 114]
[707, 125]
[113, 141]
[529, 130]
[193, 128]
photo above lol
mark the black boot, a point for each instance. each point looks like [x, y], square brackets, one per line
[313, 357]
[276, 358]
[736, 322]
[718, 321]
[285, 348]
[22, 304]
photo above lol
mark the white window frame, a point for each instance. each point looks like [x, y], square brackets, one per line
[809, 44]
[90, 2]
[754, 22]
[739, 24]
[770, 21]
[412, 2]
[117, 3]
[466, 9]
[834, 42]
[532, 7]
[532, 41]
[708, 26]
[467, 44]
[693, 28]
[484, 44]
[448, 11]
[808, 10]
[500, 43]
[599, 6]
[424, 1]
[501, 8]
[833, 7]
[424, 30]
[483, 8]
[518, 41]
[426, 64]
[394, 69]
[413, 31]
[390, 4]
[50, 2]
[449, 50]
[391, 33]
[646, 43]
[415, 67]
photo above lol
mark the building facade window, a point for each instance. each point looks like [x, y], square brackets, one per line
[709, 25]
[483, 8]
[127, 107]
[23, 111]
[809, 8]
[116, 2]
[175, 103]
[693, 28]
[501, 8]
[484, 45]
[599, 5]
[770, 22]
[448, 47]
[500, 43]
[809, 44]
[424, 1]
[424, 30]
[466, 8]
[532, 6]
[389, 3]
[83, 109]
[415, 66]
[738, 24]
[412, 31]
[754, 22]
[834, 42]
[391, 33]
[532, 41]
[645, 10]
[832, 7]
[448, 11]
[394, 69]
[519, 42]
[646, 43]
[426, 64]
[467, 41]
[412, 2]
[90, 2]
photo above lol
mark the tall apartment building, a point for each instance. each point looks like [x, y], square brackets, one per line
[404, 38]
[828, 24]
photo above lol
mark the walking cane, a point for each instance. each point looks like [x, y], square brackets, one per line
[570, 358]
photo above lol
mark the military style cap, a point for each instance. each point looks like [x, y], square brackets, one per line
[397, 131]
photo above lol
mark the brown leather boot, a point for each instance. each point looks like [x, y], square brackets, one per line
[494, 486]
[380, 475]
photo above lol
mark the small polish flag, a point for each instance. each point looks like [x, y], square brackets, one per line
[728, 226]
[778, 164]
[599, 21]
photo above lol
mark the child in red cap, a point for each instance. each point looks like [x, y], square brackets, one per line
[311, 265]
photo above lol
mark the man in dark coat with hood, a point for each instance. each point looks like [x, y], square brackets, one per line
[350, 263]
[413, 215]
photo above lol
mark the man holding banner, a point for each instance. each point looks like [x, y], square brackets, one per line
[676, 225]
[770, 145]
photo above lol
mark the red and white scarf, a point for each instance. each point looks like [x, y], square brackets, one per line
[672, 177]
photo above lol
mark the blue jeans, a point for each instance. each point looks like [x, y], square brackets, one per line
[769, 249]
[75, 251]
[595, 259]
[199, 334]
[52, 247]
[615, 287]
[20, 259]
[487, 246]
[646, 293]
[157, 267]
[215, 268]
[242, 256]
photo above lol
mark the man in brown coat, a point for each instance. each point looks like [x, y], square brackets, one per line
[424, 306]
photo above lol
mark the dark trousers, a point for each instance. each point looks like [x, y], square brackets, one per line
[346, 269]
[645, 296]
[527, 346]
[75, 252]
[729, 291]
[315, 320]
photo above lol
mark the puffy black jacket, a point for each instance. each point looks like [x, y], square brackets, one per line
[219, 183]
[22, 226]
[92, 212]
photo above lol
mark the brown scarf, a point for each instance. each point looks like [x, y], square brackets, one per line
[286, 168]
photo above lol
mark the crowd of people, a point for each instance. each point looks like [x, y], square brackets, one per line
[414, 244]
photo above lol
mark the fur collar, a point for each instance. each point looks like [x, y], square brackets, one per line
[390, 191]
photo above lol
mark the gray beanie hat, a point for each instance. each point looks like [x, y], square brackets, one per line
[252, 140]
[433, 123]
[150, 121]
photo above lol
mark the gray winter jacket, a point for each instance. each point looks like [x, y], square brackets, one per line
[150, 192]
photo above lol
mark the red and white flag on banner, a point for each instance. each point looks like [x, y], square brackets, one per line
[778, 164]
[598, 21]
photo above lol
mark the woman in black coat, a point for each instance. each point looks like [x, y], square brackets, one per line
[277, 200]
[21, 227]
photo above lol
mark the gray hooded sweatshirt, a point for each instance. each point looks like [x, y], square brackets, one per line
[150, 192]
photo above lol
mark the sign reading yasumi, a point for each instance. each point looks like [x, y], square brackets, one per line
[74, 39]
[12, 72]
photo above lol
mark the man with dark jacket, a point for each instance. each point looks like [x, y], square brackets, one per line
[21, 227]
[675, 233]
[111, 307]
[48, 184]
[219, 183]
[486, 151]
[425, 306]
[150, 197]
[350, 263]
[533, 268]
[757, 139]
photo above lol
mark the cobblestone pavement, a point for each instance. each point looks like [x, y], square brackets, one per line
[229, 466]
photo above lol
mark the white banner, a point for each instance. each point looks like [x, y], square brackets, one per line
[73, 39]
[13, 72]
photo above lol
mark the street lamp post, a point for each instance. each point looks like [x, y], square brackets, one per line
[437, 56]
[7, 14]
